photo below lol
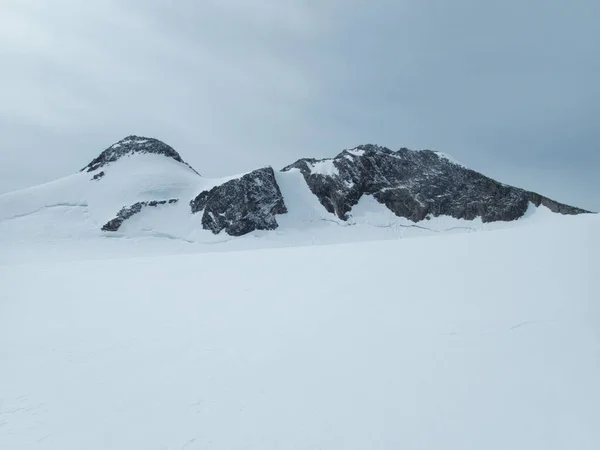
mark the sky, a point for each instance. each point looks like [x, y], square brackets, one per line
[508, 88]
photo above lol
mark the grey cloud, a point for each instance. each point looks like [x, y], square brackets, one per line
[508, 88]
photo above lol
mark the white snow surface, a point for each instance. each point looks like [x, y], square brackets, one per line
[470, 341]
[324, 167]
[320, 334]
[69, 213]
[356, 152]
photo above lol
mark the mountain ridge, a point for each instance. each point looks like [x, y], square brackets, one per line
[141, 185]
[416, 184]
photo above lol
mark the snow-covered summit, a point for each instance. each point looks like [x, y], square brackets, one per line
[132, 145]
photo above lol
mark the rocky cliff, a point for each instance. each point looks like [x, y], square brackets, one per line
[415, 185]
[241, 205]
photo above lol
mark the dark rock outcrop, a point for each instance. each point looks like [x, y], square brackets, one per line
[241, 205]
[128, 211]
[132, 145]
[98, 176]
[415, 185]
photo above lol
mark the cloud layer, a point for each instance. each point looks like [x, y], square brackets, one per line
[509, 88]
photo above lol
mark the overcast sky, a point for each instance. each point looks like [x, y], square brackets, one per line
[510, 88]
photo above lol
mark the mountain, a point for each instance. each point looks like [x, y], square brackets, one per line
[143, 306]
[133, 145]
[140, 186]
[416, 185]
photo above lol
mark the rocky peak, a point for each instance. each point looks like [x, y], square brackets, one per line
[371, 148]
[415, 185]
[133, 145]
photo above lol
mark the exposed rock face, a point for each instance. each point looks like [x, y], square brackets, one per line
[415, 185]
[241, 205]
[98, 176]
[129, 211]
[132, 145]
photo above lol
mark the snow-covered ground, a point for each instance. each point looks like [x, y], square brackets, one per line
[321, 334]
[487, 340]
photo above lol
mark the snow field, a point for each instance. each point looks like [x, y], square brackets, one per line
[465, 341]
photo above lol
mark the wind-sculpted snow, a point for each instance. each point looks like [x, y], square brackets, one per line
[416, 185]
[241, 205]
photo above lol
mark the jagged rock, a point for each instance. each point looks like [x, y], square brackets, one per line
[241, 205]
[415, 185]
[132, 145]
[98, 176]
[128, 211]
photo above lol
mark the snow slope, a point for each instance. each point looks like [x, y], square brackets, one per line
[69, 213]
[136, 178]
[469, 341]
